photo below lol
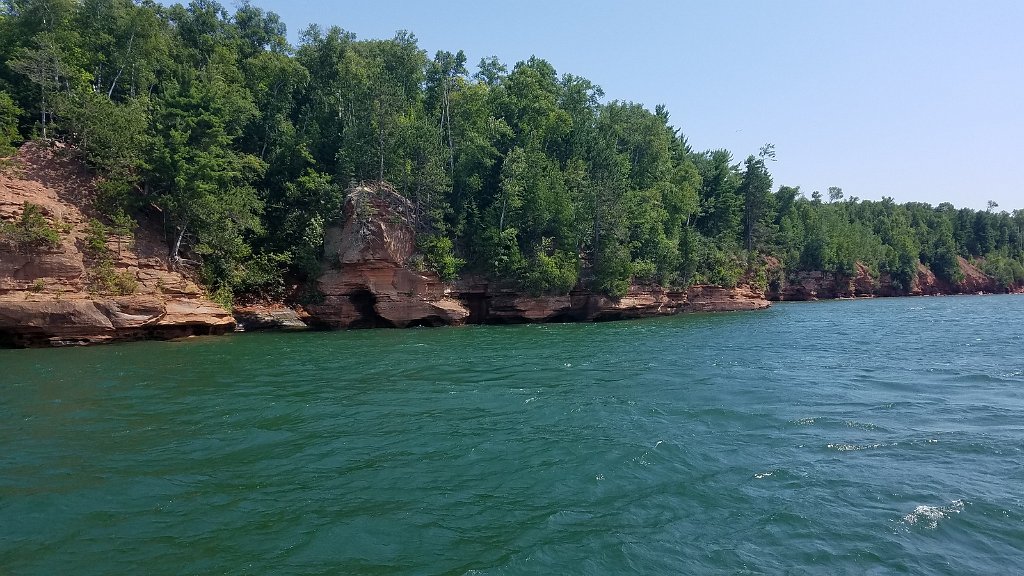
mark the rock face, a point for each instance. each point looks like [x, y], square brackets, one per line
[257, 318]
[369, 280]
[45, 297]
[816, 285]
[974, 281]
[505, 306]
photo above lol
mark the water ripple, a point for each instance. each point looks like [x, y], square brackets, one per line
[833, 437]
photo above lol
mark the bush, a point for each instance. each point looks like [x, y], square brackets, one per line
[555, 274]
[439, 253]
[644, 270]
[30, 231]
[96, 240]
[9, 114]
[1006, 272]
[104, 278]
[717, 265]
[224, 297]
[263, 275]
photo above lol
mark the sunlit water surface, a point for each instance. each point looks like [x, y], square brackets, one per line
[855, 437]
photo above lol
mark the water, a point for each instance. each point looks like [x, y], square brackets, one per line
[859, 437]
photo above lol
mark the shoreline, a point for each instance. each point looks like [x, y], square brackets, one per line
[292, 326]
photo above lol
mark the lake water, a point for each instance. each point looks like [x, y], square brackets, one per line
[855, 437]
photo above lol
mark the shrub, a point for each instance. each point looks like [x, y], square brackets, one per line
[32, 230]
[224, 297]
[439, 253]
[1006, 272]
[9, 115]
[96, 240]
[555, 274]
[104, 278]
[263, 275]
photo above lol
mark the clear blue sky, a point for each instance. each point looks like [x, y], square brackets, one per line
[918, 100]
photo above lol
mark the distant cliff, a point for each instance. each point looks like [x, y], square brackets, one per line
[815, 285]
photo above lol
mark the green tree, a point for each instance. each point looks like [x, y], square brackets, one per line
[9, 114]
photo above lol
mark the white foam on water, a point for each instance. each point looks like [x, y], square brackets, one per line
[856, 447]
[929, 516]
[762, 475]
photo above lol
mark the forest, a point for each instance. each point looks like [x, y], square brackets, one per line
[245, 145]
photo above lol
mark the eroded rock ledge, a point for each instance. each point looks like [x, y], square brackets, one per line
[45, 321]
[862, 283]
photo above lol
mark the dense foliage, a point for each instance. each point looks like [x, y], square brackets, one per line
[247, 145]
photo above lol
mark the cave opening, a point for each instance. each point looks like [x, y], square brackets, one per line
[365, 304]
[476, 302]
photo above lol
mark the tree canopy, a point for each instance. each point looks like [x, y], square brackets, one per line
[518, 173]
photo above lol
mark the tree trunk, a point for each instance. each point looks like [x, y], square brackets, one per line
[42, 112]
[177, 245]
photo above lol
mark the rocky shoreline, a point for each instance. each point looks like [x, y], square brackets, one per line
[48, 295]
[371, 279]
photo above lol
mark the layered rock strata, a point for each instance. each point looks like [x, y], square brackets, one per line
[816, 285]
[369, 278]
[48, 295]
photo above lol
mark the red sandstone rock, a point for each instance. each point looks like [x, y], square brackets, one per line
[815, 284]
[505, 306]
[974, 279]
[267, 317]
[720, 299]
[43, 292]
[368, 280]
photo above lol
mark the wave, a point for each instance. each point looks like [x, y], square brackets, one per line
[930, 516]
[843, 447]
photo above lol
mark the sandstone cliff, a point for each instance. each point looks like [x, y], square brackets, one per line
[368, 280]
[816, 285]
[49, 295]
[373, 277]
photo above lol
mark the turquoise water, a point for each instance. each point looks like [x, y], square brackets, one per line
[856, 437]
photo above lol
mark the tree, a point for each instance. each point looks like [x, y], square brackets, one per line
[442, 80]
[756, 190]
[9, 113]
[204, 184]
[721, 209]
[44, 66]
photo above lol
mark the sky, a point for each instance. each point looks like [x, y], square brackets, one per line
[916, 100]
